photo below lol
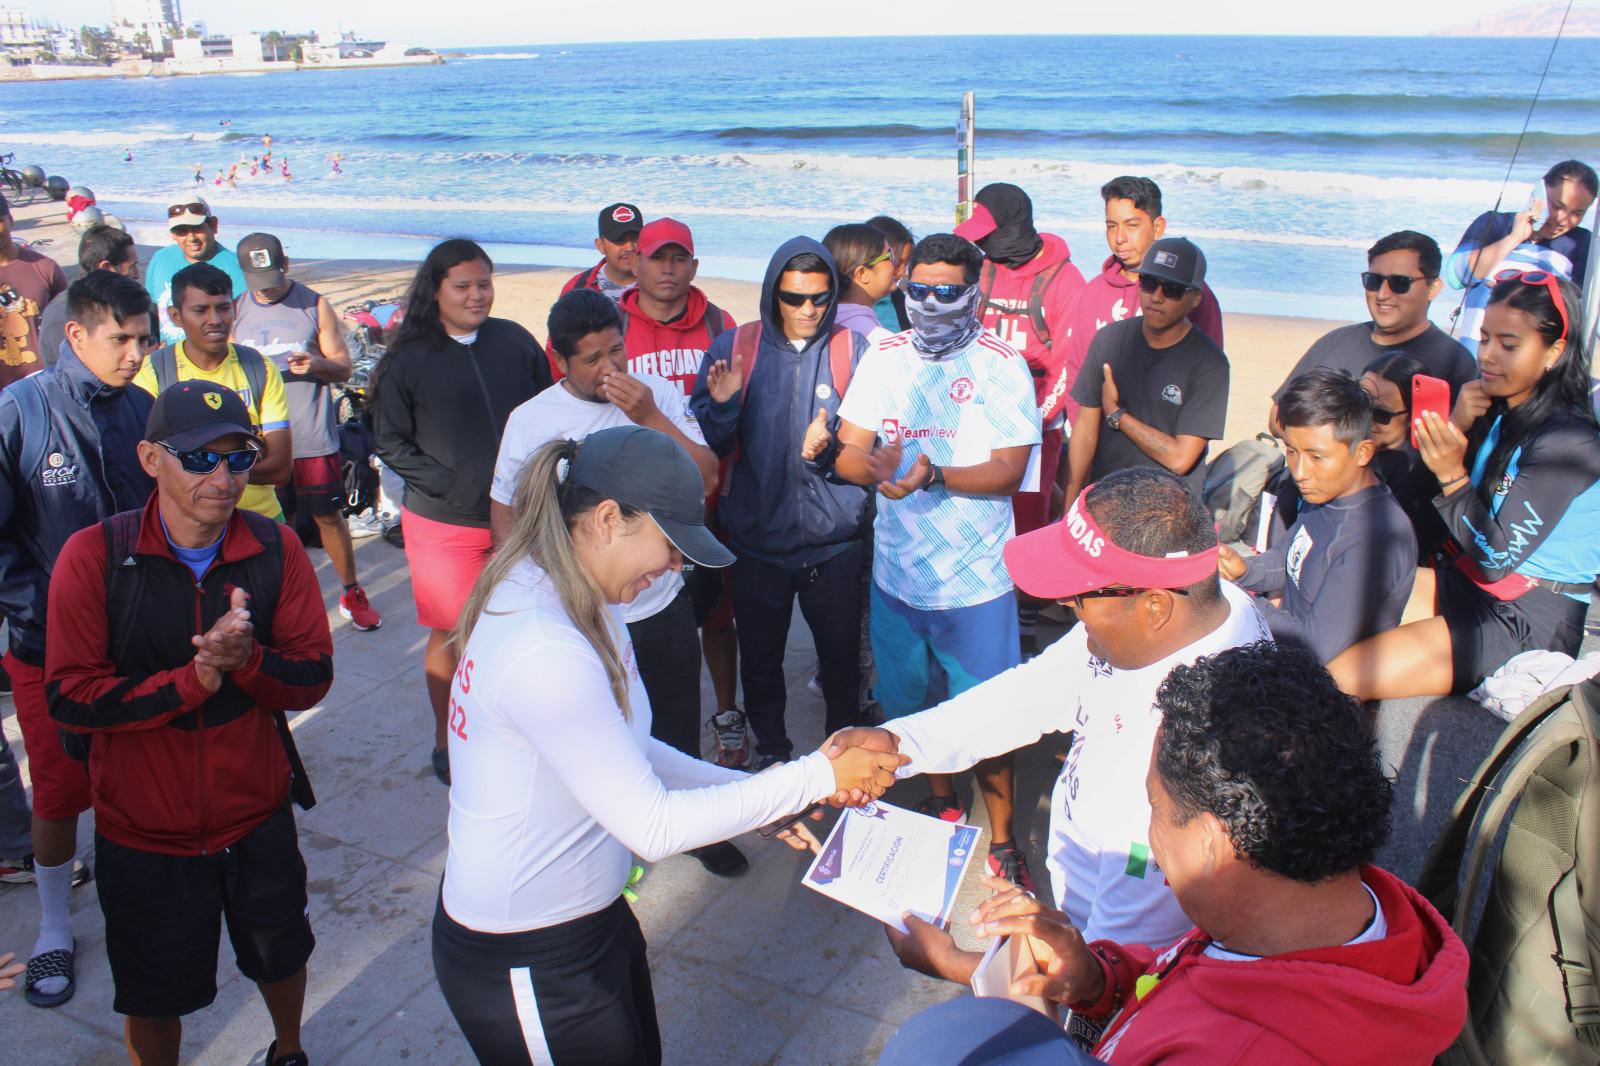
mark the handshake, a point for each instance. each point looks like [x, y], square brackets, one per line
[864, 761]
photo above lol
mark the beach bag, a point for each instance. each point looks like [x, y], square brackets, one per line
[1234, 483]
[1531, 991]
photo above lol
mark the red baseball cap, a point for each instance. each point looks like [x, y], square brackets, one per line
[662, 232]
[978, 225]
[1074, 556]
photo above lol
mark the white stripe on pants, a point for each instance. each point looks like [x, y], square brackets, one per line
[528, 1017]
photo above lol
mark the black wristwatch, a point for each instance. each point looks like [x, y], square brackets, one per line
[1114, 419]
[936, 478]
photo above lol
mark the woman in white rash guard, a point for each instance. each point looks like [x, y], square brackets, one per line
[556, 782]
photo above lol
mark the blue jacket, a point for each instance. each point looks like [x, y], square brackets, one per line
[776, 507]
[90, 471]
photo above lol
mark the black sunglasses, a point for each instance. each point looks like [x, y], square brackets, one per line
[1399, 284]
[1172, 290]
[204, 460]
[945, 294]
[183, 209]
[1382, 416]
[800, 299]
[1114, 592]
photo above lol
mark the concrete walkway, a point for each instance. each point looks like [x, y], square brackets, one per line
[751, 970]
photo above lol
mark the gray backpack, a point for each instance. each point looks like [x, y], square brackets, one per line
[1234, 483]
[1531, 992]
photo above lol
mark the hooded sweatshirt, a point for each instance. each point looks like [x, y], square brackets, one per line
[777, 507]
[1006, 314]
[1390, 1002]
[1111, 296]
[672, 350]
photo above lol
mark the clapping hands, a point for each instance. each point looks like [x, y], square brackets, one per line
[227, 645]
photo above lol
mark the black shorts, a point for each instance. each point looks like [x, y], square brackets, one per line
[164, 917]
[578, 992]
[1485, 632]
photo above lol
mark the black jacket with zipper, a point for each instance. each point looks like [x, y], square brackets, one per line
[439, 410]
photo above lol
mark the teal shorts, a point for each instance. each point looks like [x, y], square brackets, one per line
[969, 645]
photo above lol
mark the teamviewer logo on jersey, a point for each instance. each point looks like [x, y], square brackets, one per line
[891, 431]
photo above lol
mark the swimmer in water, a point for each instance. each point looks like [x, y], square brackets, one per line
[266, 142]
[199, 178]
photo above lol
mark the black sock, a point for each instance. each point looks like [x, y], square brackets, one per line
[352, 585]
[1001, 845]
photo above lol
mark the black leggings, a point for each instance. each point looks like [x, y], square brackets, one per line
[578, 992]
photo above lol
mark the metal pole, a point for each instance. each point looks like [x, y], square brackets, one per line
[964, 179]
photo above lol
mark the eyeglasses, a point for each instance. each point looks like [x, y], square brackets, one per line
[945, 294]
[1540, 277]
[886, 257]
[1383, 416]
[1172, 290]
[818, 300]
[204, 460]
[185, 209]
[1399, 284]
[1112, 592]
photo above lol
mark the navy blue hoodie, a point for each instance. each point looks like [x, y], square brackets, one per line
[776, 507]
[89, 471]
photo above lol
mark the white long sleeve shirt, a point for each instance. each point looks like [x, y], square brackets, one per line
[553, 790]
[1099, 857]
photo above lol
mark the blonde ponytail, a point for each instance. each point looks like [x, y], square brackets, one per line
[544, 511]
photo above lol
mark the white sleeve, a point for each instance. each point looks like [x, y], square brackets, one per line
[863, 402]
[678, 770]
[674, 408]
[516, 444]
[581, 736]
[1006, 712]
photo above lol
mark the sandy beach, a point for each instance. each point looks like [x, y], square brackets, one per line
[1260, 348]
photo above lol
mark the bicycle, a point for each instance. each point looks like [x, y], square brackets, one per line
[17, 190]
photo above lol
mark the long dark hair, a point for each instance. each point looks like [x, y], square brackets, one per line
[1561, 393]
[421, 319]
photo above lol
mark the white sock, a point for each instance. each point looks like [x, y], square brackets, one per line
[55, 917]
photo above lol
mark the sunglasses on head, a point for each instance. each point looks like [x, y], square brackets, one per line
[883, 257]
[1548, 280]
[204, 460]
[1172, 290]
[800, 299]
[945, 294]
[185, 209]
[1399, 284]
[1112, 592]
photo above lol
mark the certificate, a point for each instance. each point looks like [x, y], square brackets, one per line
[885, 860]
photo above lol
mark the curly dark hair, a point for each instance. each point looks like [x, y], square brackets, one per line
[1261, 737]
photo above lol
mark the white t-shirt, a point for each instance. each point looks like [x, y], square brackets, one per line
[553, 790]
[1100, 864]
[557, 414]
[936, 550]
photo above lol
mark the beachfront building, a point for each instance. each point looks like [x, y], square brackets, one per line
[147, 23]
[19, 34]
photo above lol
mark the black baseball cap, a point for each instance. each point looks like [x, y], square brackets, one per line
[619, 220]
[192, 414]
[261, 260]
[645, 468]
[1175, 259]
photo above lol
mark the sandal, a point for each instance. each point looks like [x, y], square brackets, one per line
[57, 963]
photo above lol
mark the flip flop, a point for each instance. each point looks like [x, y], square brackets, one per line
[57, 963]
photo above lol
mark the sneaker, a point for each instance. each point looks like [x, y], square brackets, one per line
[733, 738]
[766, 762]
[295, 1058]
[20, 871]
[946, 808]
[440, 761]
[354, 606]
[395, 535]
[365, 524]
[722, 859]
[1009, 862]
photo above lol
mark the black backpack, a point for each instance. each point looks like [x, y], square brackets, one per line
[357, 448]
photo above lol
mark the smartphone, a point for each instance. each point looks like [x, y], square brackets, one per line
[1428, 394]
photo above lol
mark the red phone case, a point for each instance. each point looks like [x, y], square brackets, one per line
[1428, 394]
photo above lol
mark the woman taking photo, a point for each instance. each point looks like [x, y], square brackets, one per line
[441, 397]
[868, 272]
[537, 953]
[1517, 464]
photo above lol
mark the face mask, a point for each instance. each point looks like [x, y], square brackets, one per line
[938, 329]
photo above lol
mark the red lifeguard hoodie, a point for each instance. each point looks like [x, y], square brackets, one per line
[1393, 1002]
[1006, 313]
[1109, 297]
[672, 350]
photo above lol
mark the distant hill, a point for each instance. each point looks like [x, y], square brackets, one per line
[1532, 20]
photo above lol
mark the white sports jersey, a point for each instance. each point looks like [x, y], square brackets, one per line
[552, 788]
[1100, 864]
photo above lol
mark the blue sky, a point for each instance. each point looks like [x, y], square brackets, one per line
[518, 22]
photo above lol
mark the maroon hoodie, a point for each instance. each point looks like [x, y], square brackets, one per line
[1006, 313]
[1392, 1002]
[671, 350]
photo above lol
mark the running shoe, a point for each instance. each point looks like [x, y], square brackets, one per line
[733, 738]
[363, 525]
[354, 606]
[1009, 862]
[947, 808]
[20, 871]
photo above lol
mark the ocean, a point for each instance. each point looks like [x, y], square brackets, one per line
[1283, 158]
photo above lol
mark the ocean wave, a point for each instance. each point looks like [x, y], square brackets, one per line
[115, 138]
[499, 55]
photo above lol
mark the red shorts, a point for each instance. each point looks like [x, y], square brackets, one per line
[60, 782]
[445, 561]
[318, 484]
[1031, 510]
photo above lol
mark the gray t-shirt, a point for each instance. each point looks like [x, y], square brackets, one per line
[276, 329]
[53, 329]
[1351, 349]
